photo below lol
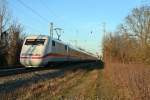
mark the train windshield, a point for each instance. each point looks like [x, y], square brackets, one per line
[35, 42]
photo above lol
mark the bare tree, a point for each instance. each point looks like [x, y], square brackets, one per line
[10, 42]
[4, 20]
[138, 24]
[131, 41]
[14, 43]
[4, 24]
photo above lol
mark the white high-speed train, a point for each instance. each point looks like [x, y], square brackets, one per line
[40, 50]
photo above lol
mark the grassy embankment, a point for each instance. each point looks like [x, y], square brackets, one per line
[90, 81]
[87, 81]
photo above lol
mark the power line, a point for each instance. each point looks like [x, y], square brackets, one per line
[48, 9]
[26, 25]
[32, 10]
[36, 13]
[57, 16]
[33, 28]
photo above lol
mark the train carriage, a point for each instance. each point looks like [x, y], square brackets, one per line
[40, 50]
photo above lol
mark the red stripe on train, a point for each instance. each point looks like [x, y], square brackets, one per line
[45, 56]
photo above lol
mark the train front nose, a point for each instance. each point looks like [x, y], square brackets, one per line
[33, 51]
[31, 60]
[32, 56]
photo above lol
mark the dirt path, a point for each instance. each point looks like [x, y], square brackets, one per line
[84, 85]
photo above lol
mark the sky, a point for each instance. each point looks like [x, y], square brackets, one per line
[81, 20]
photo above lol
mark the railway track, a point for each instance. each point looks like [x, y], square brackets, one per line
[6, 72]
[21, 70]
[15, 71]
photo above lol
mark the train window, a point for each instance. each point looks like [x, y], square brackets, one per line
[35, 42]
[65, 47]
[53, 43]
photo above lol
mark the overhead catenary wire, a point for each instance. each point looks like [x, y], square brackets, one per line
[27, 25]
[33, 28]
[49, 10]
[76, 31]
[33, 11]
[56, 16]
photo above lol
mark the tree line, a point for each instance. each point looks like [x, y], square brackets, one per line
[10, 37]
[130, 42]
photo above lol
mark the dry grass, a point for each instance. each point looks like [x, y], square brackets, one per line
[131, 80]
[115, 82]
[86, 83]
[39, 89]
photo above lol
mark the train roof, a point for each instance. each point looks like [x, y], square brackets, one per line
[37, 36]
